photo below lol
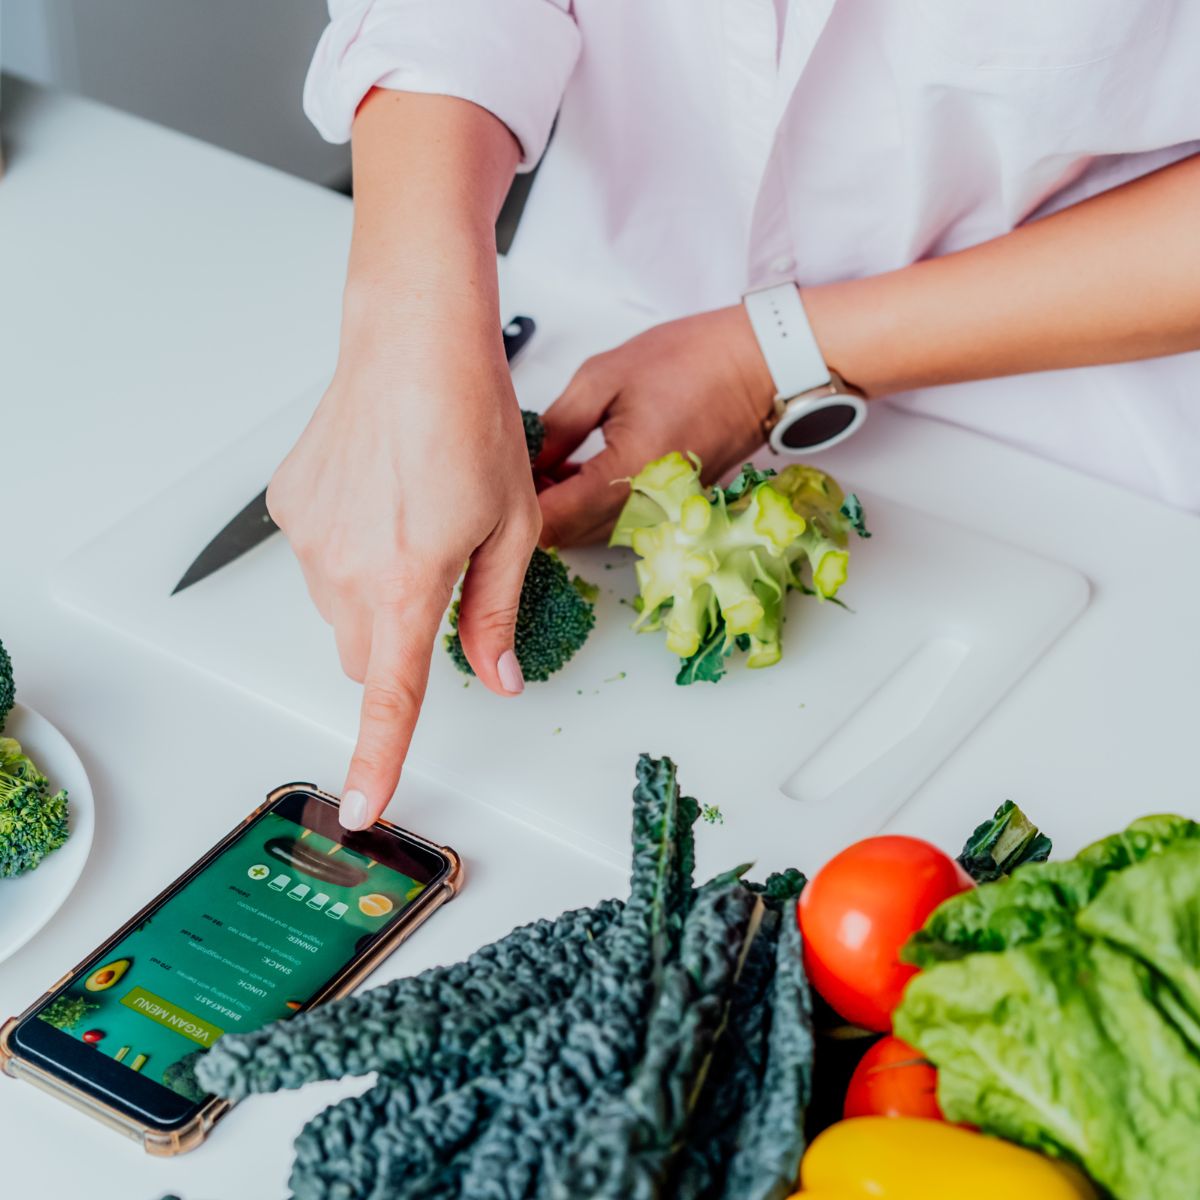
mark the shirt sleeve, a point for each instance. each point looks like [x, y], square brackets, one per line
[512, 57]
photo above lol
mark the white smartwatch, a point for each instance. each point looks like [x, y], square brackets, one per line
[815, 408]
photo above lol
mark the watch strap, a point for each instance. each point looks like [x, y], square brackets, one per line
[786, 339]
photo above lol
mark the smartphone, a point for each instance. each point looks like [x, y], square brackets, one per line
[286, 912]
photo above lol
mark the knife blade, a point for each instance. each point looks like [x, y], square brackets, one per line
[253, 525]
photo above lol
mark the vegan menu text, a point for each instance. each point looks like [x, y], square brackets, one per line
[250, 939]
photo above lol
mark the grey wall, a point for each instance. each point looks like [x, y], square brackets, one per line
[227, 71]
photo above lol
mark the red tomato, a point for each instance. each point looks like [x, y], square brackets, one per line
[858, 911]
[893, 1080]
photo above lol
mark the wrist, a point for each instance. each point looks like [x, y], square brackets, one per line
[750, 363]
[418, 306]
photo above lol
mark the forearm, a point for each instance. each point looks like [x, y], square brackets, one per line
[430, 175]
[1116, 277]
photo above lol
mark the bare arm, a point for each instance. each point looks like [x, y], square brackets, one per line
[415, 460]
[1116, 277]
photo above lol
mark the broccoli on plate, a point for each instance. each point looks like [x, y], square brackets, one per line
[32, 821]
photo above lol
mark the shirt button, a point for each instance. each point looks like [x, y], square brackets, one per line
[782, 264]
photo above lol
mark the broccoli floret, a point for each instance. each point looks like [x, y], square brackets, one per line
[65, 1012]
[32, 821]
[716, 566]
[180, 1076]
[556, 612]
[535, 432]
[554, 619]
[8, 689]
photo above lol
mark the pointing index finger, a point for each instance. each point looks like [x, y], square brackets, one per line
[397, 674]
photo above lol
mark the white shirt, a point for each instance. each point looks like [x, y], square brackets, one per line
[705, 147]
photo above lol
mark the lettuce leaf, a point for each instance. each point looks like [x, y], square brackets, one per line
[1061, 1007]
[1061, 1047]
[1152, 910]
[1034, 902]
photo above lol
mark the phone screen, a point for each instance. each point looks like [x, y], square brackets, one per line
[250, 938]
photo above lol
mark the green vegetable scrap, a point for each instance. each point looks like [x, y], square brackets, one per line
[535, 432]
[66, 1011]
[556, 613]
[33, 822]
[8, 687]
[997, 847]
[715, 567]
[660, 1046]
[1061, 1006]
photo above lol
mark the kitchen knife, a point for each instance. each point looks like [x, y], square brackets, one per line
[254, 525]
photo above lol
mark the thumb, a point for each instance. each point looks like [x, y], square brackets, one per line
[491, 598]
[397, 672]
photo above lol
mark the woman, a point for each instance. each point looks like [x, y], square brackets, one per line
[962, 190]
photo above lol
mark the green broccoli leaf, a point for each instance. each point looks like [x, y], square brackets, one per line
[852, 510]
[707, 665]
[748, 478]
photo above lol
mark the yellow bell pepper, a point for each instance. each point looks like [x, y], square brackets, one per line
[904, 1158]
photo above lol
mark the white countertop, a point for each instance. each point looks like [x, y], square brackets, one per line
[157, 296]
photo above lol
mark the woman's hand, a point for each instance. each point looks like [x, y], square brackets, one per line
[415, 459]
[699, 384]
[413, 463]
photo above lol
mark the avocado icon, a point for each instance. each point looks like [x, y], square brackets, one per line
[102, 978]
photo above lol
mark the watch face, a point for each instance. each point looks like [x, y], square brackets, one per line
[818, 426]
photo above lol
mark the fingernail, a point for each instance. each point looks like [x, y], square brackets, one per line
[509, 670]
[353, 811]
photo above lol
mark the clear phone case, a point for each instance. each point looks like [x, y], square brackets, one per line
[187, 1137]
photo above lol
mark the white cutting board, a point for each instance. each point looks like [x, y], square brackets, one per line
[801, 758]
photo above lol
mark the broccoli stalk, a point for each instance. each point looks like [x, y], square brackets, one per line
[8, 688]
[556, 612]
[715, 567]
[32, 821]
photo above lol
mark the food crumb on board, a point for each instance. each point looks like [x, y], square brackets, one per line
[558, 730]
[712, 814]
[615, 678]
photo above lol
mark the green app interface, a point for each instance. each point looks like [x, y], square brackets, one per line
[248, 940]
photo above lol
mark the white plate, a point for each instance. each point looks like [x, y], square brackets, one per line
[30, 900]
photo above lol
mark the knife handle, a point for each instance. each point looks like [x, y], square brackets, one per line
[517, 333]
